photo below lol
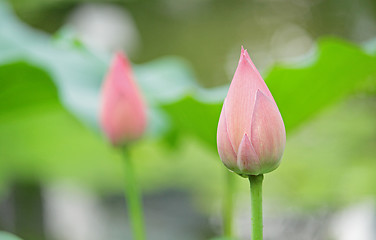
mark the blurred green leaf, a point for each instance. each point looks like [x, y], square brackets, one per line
[25, 88]
[8, 236]
[337, 70]
[331, 160]
[195, 118]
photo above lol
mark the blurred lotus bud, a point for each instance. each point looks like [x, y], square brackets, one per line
[123, 113]
[251, 135]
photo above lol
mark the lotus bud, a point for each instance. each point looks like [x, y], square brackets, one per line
[123, 113]
[251, 135]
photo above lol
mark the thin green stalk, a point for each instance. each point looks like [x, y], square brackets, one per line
[256, 198]
[228, 206]
[132, 195]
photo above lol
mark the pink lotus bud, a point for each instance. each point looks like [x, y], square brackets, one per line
[123, 113]
[251, 135]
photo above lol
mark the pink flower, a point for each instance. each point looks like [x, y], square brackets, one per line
[123, 113]
[251, 135]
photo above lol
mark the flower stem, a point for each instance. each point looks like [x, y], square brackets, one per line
[228, 206]
[256, 198]
[133, 199]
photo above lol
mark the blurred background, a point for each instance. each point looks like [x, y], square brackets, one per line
[61, 180]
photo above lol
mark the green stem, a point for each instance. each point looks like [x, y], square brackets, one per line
[256, 198]
[133, 199]
[228, 206]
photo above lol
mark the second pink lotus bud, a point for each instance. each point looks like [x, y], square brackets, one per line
[123, 113]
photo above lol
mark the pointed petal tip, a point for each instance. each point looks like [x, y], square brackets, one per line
[243, 51]
[119, 55]
[247, 159]
[245, 141]
[245, 137]
[121, 62]
[245, 56]
[260, 94]
[241, 54]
